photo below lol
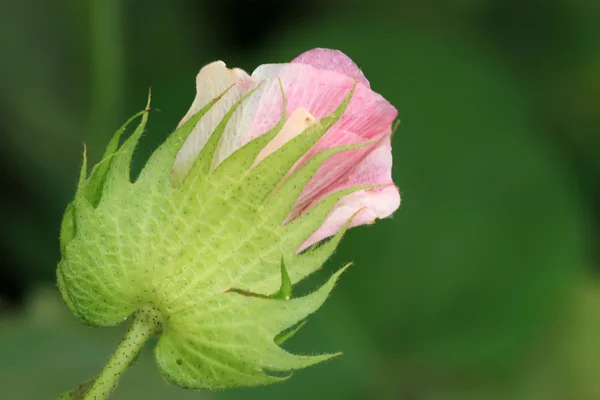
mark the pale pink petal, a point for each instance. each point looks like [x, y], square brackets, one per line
[370, 204]
[333, 60]
[211, 81]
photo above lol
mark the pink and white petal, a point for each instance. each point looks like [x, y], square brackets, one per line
[211, 81]
[333, 60]
[371, 204]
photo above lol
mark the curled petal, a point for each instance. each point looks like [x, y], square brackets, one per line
[376, 203]
[211, 81]
[368, 166]
[371, 204]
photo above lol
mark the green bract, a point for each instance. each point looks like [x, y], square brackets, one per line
[209, 255]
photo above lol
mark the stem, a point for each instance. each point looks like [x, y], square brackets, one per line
[146, 323]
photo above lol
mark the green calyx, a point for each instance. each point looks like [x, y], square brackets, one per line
[208, 251]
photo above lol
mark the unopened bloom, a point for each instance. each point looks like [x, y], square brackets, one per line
[314, 84]
[227, 214]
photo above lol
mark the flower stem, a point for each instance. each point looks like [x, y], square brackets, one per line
[146, 323]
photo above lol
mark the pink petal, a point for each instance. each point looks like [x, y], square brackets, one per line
[371, 165]
[333, 60]
[370, 204]
[211, 81]
[380, 202]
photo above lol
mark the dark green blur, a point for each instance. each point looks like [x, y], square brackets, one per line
[484, 285]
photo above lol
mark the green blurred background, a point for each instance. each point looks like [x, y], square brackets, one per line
[484, 285]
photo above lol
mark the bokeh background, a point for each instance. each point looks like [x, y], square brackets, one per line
[484, 285]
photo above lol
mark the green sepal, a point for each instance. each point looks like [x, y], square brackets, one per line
[195, 246]
[286, 335]
[67, 227]
[199, 355]
[284, 292]
[62, 288]
[95, 183]
[118, 174]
